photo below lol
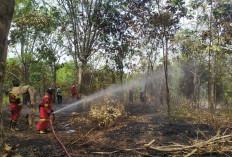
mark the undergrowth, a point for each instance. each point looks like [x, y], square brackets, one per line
[107, 111]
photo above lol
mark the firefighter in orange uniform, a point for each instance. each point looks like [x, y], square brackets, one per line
[74, 92]
[45, 111]
[15, 108]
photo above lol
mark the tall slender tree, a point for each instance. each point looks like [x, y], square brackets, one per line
[6, 15]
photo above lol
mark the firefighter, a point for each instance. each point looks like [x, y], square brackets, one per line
[59, 95]
[131, 93]
[141, 95]
[74, 92]
[45, 110]
[15, 108]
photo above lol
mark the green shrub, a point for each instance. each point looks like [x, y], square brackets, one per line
[6, 101]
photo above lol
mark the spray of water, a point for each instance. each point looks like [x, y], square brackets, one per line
[133, 84]
[156, 80]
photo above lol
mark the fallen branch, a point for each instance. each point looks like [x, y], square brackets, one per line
[106, 153]
[83, 136]
[128, 150]
[188, 150]
[193, 149]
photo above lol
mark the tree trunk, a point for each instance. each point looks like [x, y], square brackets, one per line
[195, 84]
[195, 75]
[76, 66]
[6, 14]
[147, 84]
[81, 69]
[54, 80]
[121, 76]
[91, 82]
[25, 73]
[211, 67]
[161, 94]
[165, 54]
[24, 61]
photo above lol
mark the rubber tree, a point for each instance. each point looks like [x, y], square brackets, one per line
[82, 23]
[6, 15]
[146, 39]
[223, 14]
[29, 24]
[212, 17]
[191, 62]
[23, 36]
[51, 47]
[211, 78]
[167, 23]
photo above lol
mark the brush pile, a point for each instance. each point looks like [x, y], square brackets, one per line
[106, 111]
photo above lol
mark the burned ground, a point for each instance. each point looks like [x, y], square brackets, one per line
[126, 138]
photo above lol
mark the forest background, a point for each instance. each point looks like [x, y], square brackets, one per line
[182, 49]
[186, 43]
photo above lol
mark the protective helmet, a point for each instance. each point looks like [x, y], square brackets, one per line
[10, 93]
[73, 86]
[50, 90]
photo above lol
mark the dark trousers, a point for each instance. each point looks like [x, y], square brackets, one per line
[131, 97]
[142, 98]
[59, 99]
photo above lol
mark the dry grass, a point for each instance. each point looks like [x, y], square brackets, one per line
[106, 112]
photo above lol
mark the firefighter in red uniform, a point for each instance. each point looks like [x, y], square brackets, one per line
[45, 111]
[15, 108]
[74, 92]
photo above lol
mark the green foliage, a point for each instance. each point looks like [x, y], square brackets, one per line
[130, 36]
[66, 73]
[36, 72]
[34, 21]
[13, 73]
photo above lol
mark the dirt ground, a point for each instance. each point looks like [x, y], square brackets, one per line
[84, 138]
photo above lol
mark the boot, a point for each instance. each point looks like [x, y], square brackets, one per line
[14, 125]
[47, 131]
[42, 132]
[11, 123]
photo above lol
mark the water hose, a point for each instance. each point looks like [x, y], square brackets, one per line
[58, 138]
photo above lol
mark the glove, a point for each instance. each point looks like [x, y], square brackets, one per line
[51, 111]
[49, 114]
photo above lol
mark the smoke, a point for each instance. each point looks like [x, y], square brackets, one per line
[154, 83]
[110, 90]
[137, 83]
